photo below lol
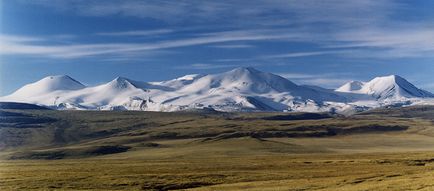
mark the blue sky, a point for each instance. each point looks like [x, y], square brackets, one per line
[319, 42]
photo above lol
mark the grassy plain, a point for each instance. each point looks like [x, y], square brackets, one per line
[387, 149]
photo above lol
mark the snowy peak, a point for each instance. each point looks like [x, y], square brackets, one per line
[385, 87]
[248, 82]
[49, 84]
[389, 80]
[120, 83]
[59, 82]
[251, 74]
[244, 71]
[351, 86]
[250, 79]
[242, 79]
[393, 86]
[240, 89]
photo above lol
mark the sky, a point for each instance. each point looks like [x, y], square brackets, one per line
[314, 42]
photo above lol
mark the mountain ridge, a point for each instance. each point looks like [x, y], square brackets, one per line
[385, 87]
[240, 89]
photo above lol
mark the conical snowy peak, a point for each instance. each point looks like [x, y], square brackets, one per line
[120, 79]
[59, 82]
[393, 86]
[125, 83]
[120, 83]
[351, 86]
[385, 87]
[251, 74]
[49, 84]
[247, 79]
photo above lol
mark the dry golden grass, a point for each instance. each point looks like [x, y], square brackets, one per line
[381, 171]
[172, 151]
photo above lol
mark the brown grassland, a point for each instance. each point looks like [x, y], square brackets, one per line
[385, 149]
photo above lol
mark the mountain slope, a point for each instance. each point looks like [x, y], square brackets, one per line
[47, 85]
[247, 80]
[253, 82]
[391, 87]
[351, 86]
[178, 82]
[45, 90]
[118, 94]
[240, 89]
[247, 88]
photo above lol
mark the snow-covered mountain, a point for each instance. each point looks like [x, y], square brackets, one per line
[391, 87]
[179, 82]
[246, 89]
[47, 85]
[240, 89]
[351, 87]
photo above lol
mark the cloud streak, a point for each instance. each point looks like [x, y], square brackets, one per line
[262, 12]
[204, 66]
[19, 45]
[402, 41]
[304, 54]
[137, 33]
[349, 29]
[374, 43]
[327, 80]
[232, 46]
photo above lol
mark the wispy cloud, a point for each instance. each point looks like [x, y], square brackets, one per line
[232, 46]
[403, 40]
[265, 57]
[137, 33]
[233, 59]
[203, 66]
[356, 29]
[324, 82]
[20, 45]
[262, 12]
[20, 39]
[297, 75]
[304, 54]
[415, 42]
[328, 80]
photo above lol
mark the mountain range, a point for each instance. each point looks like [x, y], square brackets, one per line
[240, 89]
